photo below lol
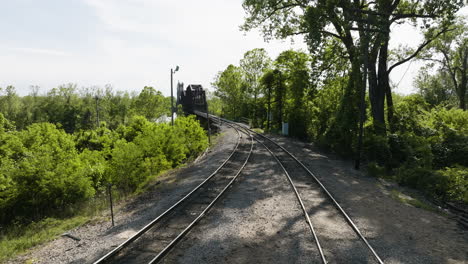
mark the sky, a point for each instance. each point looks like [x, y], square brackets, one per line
[130, 44]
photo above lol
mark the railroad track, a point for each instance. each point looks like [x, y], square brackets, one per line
[151, 243]
[313, 197]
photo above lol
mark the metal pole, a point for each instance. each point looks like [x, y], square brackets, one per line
[172, 101]
[208, 123]
[111, 205]
[97, 111]
[269, 107]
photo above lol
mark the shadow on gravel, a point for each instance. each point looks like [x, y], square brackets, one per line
[398, 232]
[238, 244]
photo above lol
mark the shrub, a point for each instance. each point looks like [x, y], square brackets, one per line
[47, 176]
[452, 183]
[373, 169]
[376, 148]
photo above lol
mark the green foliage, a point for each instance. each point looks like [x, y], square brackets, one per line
[48, 176]
[61, 169]
[155, 148]
[413, 201]
[151, 104]
[450, 52]
[436, 89]
[447, 183]
[375, 170]
[230, 87]
[376, 147]
[427, 152]
[452, 183]
[76, 109]
[45, 171]
[296, 71]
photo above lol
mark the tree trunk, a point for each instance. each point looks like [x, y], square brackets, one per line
[377, 95]
[464, 81]
[384, 85]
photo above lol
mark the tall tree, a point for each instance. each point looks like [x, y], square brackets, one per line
[150, 103]
[254, 63]
[436, 89]
[230, 87]
[338, 19]
[450, 50]
[273, 82]
[296, 69]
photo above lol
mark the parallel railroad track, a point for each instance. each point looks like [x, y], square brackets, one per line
[305, 185]
[156, 239]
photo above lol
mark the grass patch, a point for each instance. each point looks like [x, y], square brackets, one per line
[413, 202]
[19, 239]
[258, 130]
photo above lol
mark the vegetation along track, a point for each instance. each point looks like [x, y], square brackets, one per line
[346, 244]
[155, 240]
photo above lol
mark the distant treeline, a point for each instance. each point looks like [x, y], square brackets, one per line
[55, 155]
[73, 109]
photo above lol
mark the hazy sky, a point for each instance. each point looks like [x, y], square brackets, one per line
[130, 44]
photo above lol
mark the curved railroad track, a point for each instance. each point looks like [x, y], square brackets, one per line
[305, 185]
[151, 243]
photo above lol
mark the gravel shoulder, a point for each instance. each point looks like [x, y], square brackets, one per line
[98, 237]
[399, 232]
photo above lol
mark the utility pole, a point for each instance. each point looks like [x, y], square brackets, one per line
[269, 107]
[97, 110]
[172, 95]
[208, 122]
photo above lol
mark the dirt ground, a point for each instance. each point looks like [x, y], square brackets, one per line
[259, 219]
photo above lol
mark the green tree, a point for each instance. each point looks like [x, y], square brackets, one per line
[151, 104]
[450, 50]
[254, 63]
[296, 73]
[436, 89]
[48, 176]
[230, 87]
[337, 19]
[10, 103]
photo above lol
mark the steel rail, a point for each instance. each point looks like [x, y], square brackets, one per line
[162, 253]
[124, 244]
[298, 196]
[336, 204]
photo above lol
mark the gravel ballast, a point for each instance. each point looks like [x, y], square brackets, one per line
[399, 232]
[258, 221]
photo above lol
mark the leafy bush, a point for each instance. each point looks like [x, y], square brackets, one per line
[452, 183]
[428, 149]
[47, 176]
[44, 170]
[376, 148]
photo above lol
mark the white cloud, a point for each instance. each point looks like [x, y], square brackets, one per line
[48, 52]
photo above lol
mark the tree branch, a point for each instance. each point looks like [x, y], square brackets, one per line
[331, 34]
[413, 15]
[420, 48]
